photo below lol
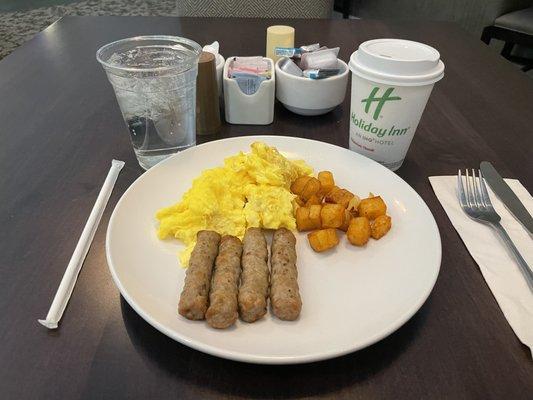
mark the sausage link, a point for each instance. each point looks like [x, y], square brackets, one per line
[284, 292]
[223, 307]
[194, 296]
[253, 292]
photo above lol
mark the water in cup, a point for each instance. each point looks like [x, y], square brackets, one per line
[154, 78]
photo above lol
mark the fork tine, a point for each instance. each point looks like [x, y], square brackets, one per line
[469, 198]
[484, 192]
[477, 197]
[461, 190]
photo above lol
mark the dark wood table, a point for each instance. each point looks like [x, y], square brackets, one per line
[60, 128]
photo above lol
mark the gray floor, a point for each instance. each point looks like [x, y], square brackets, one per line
[20, 5]
[16, 27]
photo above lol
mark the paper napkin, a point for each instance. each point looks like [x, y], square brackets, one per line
[497, 265]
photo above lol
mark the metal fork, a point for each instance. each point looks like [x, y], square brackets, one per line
[477, 205]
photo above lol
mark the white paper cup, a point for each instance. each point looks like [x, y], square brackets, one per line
[391, 83]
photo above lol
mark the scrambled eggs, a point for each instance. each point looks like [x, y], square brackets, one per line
[250, 190]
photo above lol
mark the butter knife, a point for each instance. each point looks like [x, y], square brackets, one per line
[506, 195]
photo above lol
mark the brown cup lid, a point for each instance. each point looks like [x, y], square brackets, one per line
[206, 57]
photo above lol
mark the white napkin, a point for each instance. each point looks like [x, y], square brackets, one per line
[212, 48]
[497, 265]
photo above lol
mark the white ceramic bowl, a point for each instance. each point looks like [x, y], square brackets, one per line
[306, 96]
[220, 68]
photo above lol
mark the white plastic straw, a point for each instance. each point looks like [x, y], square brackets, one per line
[76, 261]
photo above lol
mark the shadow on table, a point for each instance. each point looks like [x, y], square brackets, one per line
[326, 128]
[265, 381]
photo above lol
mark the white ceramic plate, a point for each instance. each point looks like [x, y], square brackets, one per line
[352, 297]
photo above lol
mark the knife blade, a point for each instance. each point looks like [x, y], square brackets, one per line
[506, 195]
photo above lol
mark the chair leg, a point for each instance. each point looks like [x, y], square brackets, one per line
[507, 49]
[486, 36]
[345, 9]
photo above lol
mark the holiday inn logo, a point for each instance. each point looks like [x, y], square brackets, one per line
[380, 101]
[375, 127]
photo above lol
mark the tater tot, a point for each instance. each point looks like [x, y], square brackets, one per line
[304, 222]
[345, 198]
[323, 239]
[302, 219]
[332, 215]
[339, 196]
[326, 181]
[314, 216]
[298, 185]
[359, 231]
[299, 202]
[346, 222]
[313, 200]
[372, 207]
[312, 187]
[381, 226]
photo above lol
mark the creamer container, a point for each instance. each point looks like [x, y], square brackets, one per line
[278, 36]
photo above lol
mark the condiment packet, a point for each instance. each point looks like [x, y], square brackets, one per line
[288, 51]
[250, 70]
[320, 59]
[251, 62]
[248, 83]
[310, 47]
[320, 73]
[290, 67]
[317, 62]
[296, 52]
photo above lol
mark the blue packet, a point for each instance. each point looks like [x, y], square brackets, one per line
[248, 83]
[288, 51]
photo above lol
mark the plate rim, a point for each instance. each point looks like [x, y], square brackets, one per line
[263, 359]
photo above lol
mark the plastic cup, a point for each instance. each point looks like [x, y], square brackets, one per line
[392, 80]
[154, 79]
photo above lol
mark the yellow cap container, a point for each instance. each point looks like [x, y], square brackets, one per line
[278, 36]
